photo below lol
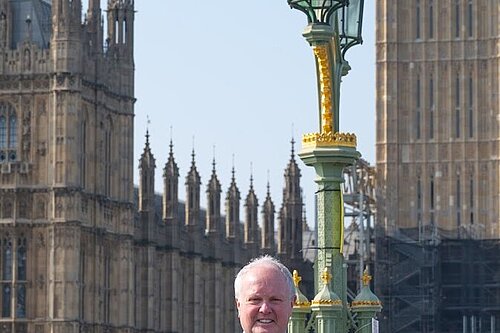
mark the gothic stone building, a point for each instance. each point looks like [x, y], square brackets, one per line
[79, 250]
[438, 165]
[438, 111]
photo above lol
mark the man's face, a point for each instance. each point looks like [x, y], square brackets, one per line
[264, 304]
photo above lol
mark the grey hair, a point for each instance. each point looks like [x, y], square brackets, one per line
[265, 260]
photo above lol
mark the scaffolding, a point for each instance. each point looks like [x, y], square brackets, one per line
[470, 291]
[359, 217]
[408, 274]
[431, 285]
[428, 279]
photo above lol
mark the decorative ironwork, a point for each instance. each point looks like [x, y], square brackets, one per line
[318, 11]
[350, 23]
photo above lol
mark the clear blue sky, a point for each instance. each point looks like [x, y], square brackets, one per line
[238, 75]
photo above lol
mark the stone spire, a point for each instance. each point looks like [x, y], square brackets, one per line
[268, 245]
[213, 202]
[170, 188]
[290, 224]
[193, 195]
[147, 167]
[251, 217]
[233, 210]
[94, 25]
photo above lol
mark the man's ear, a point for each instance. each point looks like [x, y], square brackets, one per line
[237, 303]
[293, 299]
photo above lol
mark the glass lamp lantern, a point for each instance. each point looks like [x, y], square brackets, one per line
[318, 11]
[350, 22]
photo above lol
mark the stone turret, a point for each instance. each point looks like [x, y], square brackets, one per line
[233, 210]
[120, 41]
[290, 216]
[94, 27]
[5, 24]
[147, 165]
[193, 183]
[268, 245]
[170, 189]
[251, 234]
[66, 43]
[213, 203]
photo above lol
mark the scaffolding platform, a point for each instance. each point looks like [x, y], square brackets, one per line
[437, 285]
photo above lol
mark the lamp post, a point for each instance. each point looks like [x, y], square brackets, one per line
[333, 27]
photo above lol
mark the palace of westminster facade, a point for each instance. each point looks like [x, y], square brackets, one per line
[81, 250]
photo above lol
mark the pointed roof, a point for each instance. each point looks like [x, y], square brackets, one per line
[213, 183]
[251, 199]
[193, 175]
[292, 168]
[39, 14]
[171, 169]
[268, 202]
[147, 159]
[232, 191]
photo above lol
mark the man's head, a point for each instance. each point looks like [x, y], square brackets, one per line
[264, 294]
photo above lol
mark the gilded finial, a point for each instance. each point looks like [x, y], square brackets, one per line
[366, 277]
[366, 299]
[296, 278]
[327, 297]
[326, 277]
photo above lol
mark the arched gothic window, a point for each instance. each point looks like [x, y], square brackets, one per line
[8, 133]
[14, 276]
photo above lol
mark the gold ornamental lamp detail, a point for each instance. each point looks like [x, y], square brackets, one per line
[301, 301]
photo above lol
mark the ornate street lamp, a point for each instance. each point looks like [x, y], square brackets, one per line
[318, 11]
[333, 27]
[350, 23]
[350, 20]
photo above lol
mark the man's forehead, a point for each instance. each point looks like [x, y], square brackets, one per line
[265, 277]
[265, 272]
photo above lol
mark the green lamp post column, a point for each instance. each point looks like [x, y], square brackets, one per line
[334, 26]
[329, 155]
